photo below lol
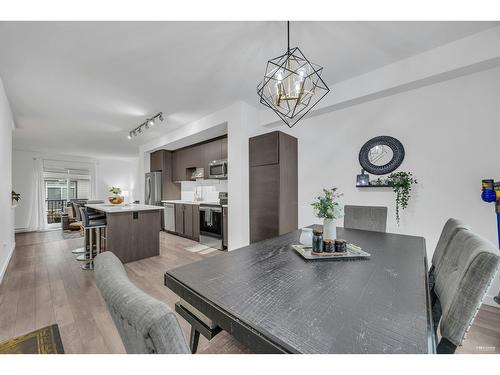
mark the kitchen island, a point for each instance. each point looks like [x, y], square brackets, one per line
[132, 231]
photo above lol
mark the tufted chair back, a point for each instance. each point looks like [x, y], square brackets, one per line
[365, 218]
[451, 227]
[467, 269]
[145, 324]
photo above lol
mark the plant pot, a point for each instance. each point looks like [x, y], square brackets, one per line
[329, 229]
[117, 199]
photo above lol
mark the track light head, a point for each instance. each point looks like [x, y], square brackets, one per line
[149, 122]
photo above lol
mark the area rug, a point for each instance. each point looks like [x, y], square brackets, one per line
[46, 340]
[199, 248]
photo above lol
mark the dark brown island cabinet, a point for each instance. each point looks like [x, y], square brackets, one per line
[132, 232]
[273, 185]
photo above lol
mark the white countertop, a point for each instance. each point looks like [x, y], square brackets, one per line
[113, 208]
[189, 202]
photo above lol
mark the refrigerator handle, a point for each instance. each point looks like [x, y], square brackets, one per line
[148, 190]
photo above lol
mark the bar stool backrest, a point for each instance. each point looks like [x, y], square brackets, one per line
[84, 216]
[76, 208]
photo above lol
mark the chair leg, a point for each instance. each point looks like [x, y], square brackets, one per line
[193, 340]
[445, 347]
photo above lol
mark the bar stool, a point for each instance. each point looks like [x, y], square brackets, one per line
[93, 230]
[78, 217]
[92, 216]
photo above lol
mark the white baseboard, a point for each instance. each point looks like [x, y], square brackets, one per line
[22, 230]
[488, 300]
[7, 261]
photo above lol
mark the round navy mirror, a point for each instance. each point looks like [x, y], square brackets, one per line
[381, 155]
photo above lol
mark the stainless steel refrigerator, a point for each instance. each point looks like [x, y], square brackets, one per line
[153, 189]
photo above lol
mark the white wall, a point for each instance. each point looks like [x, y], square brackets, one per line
[122, 173]
[451, 135]
[6, 210]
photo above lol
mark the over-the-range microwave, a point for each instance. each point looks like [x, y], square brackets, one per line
[217, 169]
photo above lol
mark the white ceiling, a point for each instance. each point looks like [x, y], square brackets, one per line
[79, 87]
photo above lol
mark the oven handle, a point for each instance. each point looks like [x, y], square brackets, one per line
[213, 209]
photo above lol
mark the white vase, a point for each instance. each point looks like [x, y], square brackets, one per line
[329, 229]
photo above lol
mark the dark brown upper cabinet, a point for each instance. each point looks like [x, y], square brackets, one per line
[161, 161]
[186, 159]
[273, 189]
[264, 149]
[156, 161]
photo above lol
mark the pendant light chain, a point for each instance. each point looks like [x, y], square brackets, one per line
[288, 34]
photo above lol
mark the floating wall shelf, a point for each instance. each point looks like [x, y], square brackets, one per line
[373, 186]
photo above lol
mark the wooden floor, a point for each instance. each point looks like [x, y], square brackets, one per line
[44, 285]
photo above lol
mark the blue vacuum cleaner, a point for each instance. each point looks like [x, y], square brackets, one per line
[491, 193]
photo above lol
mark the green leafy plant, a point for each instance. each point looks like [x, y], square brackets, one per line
[401, 183]
[115, 190]
[326, 207]
[15, 196]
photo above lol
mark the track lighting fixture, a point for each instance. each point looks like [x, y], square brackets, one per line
[145, 125]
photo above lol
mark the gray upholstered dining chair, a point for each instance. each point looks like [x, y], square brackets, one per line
[450, 229]
[365, 218]
[467, 269]
[145, 324]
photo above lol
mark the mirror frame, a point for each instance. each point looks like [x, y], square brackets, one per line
[398, 155]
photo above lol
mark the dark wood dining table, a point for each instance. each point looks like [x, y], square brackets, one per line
[274, 301]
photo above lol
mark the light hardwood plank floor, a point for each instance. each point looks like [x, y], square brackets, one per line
[44, 285]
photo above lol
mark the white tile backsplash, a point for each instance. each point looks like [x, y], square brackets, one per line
[208, 189]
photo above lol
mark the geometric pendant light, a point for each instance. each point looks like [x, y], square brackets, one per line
[292, 85]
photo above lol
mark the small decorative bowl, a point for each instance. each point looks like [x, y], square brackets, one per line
[117, 199]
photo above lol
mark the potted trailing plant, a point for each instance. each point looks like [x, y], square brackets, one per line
[401, 183]
[15, 197]
[117, 198]
[327, 208]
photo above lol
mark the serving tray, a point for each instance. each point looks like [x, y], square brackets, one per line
[353, 252]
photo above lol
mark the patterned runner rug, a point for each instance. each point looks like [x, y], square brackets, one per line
[46, 340]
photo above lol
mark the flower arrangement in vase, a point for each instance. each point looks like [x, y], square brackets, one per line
[116, 198]
[327, 207]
